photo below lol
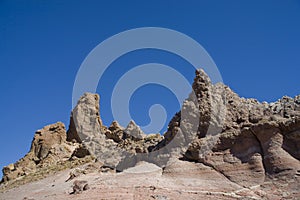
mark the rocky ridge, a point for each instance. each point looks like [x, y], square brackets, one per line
[216, 133]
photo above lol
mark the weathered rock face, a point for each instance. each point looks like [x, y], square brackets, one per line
[135, 131]
[49, 147]
[202, 88]
[132, 139]
[115, 132]
[277, 160]
[109, 145]
[48, 138]
[255, 138]
[202, 114]
[85, 119]
[86, 127]
[243, 141]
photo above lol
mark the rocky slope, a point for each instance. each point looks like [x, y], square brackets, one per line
[218, 146]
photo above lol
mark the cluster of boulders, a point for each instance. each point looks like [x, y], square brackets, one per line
[132, 138]
[86, 140]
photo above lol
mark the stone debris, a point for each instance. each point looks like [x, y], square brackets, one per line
[80, 186]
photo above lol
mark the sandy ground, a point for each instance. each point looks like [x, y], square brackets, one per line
[144, 181]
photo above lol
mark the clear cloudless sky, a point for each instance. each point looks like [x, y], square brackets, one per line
[255, 44]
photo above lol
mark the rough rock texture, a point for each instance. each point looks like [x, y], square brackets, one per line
[277, 160]
[110, 145]
[135, 131]
[49, 149]
[41, 151]
[115, 132]
[80, 186]
[202, 114]
[253, 143]
[85, 119]
[132, 139]
[218, 146]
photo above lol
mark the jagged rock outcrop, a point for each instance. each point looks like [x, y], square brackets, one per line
[202, 113]
[48, 148]
[132, 138]
[86, 127]
[246, 141]
[109, 145]
[85, 119]
[115, 132]
[242, 141]
[135, 131]
[252, 142]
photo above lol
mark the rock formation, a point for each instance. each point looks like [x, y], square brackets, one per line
[47, 148]
[253, 144]
[80, 186]
[217, 136]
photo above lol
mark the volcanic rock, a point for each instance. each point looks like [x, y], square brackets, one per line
[219, 145]
[133, 130]
[252, 144]
[49, 147]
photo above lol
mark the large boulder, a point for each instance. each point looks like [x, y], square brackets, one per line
[85, 119]
[86, 127]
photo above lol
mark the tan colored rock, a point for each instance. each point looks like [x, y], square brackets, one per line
[85, 118]
[47, 138]
[86, 127]
[115, 132]
[218, 141]
[257, 139]
[48, 147]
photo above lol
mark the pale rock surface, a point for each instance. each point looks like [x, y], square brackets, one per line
[87, 128]
[85, 118]
[135, 131]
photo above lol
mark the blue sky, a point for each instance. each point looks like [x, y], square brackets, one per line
[255, 44]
